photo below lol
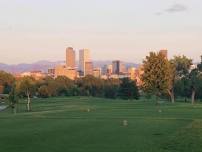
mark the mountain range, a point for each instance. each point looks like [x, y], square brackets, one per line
[45, 65]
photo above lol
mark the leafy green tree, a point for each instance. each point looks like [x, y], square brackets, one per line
[90, 86]
[43, 91]
[200, 65]
[128, 89]
[199, 90]
[64, 85]
[13, 98]
[6, 82]
[182, 65]
[182, 88]
[111, 91]
[156, 74]
[179, 68]
[75, 91]
[111, 88]
[47, 87]
[194, 78]
[27, 87]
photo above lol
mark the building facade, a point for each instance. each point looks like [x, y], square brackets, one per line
[84, 56]
[70, 58]
[51, 72]
[97, 72]
[132, 73]
[118, 67]
[62, 70]
[88, 68]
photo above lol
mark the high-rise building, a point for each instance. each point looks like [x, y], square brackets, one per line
[132, 73]
[84, 56]
[109, 69]
[164, 53]
[70, 58]
[88, 68]
[123, 68]
[118, 67]
[104, 70]
[97, 72]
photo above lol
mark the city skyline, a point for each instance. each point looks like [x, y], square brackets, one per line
[126, 30]
[76, 56]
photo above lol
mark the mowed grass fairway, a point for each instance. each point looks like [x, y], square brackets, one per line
[82, 124]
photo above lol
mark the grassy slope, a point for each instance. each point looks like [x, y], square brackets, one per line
[64, 124]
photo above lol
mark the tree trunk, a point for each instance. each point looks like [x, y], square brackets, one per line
[172, 96]
[28, 102]
[193, 96]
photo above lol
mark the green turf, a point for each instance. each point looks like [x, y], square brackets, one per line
[96, 125]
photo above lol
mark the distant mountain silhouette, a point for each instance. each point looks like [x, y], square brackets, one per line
[45, 65]
[23, 67]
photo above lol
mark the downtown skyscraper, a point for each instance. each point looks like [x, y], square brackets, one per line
[84, 57]
[70, 58]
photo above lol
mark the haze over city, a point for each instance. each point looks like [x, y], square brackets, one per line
[115, 29]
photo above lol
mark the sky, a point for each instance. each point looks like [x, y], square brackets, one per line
[32, 30]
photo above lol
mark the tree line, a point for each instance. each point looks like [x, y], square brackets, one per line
[174, 78]
[28, 87]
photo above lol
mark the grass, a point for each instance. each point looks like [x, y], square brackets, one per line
[96, 125]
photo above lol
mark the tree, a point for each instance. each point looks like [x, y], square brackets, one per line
[90, 86]
[194, 78]
[182, 65]
[179, 68]
[182, 87]
[172, 79]
[64, 85]
[26, 87]
[156, 74]
[199, 91]
[6, 82]
[13, 98]
[128, 89]
[47, 87]
[111, 88]
[200, 65]
[43, 91]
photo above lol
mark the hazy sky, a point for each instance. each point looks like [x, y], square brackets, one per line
[32, 30]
